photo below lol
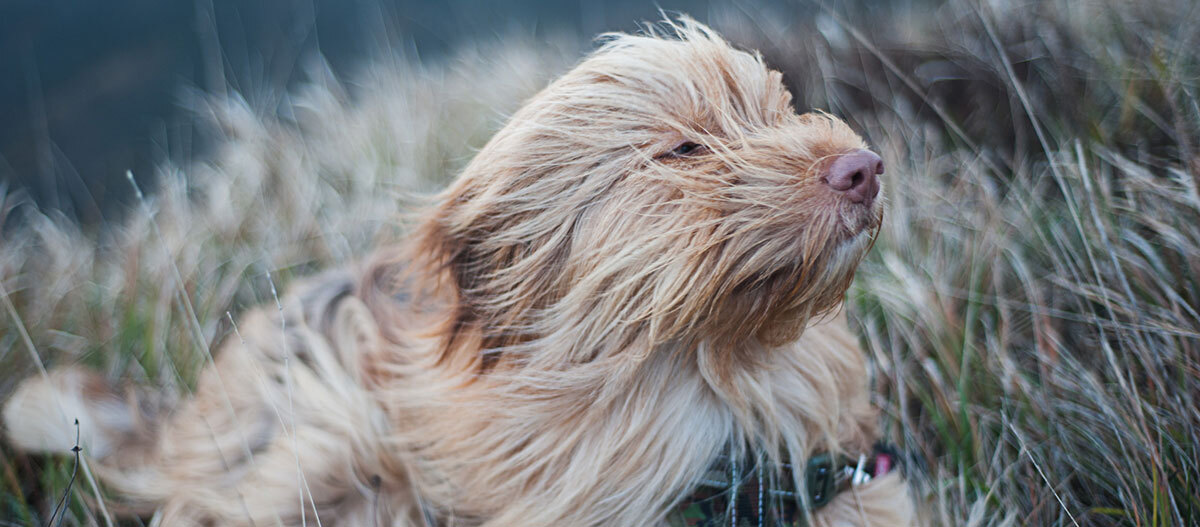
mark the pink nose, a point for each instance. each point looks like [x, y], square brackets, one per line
[854, 175]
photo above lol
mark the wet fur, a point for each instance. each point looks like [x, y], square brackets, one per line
[573, 333]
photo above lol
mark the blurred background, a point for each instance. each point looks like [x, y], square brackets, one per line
[89, 90]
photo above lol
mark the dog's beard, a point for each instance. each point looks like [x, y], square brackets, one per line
[817, 264]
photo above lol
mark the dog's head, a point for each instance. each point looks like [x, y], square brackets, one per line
[664, 190]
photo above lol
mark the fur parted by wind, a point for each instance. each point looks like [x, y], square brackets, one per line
[643, 306]
[533, 246]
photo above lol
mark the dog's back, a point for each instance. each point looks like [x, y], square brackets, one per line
[281, 419]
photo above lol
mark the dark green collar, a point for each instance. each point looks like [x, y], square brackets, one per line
[752, 494]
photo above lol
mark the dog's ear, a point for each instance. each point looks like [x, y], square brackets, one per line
[485, 261]
[448, 247]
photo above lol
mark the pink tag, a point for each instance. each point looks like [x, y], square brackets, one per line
[883, 465]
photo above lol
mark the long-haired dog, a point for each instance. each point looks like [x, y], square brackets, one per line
[624, 312]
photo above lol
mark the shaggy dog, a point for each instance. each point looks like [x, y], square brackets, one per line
[624, 312]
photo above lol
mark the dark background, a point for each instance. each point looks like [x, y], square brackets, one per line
[90, 89]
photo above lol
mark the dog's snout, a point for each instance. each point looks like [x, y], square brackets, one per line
[855, 175]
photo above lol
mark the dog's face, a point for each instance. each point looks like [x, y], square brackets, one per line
[627, 267]
[664, 190]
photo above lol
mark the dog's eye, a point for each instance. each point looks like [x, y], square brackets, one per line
[685, 149]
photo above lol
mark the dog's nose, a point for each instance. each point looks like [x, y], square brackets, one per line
[854, 175]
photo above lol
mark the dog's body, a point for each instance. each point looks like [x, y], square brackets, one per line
[633, 279]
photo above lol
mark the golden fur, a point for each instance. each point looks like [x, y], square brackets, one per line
[576, 330]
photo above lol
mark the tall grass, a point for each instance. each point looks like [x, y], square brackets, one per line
[1031, 305]
[1032, 301]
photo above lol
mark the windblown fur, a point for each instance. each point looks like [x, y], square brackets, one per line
[576, 330]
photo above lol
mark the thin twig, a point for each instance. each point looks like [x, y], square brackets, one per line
[64, 503]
